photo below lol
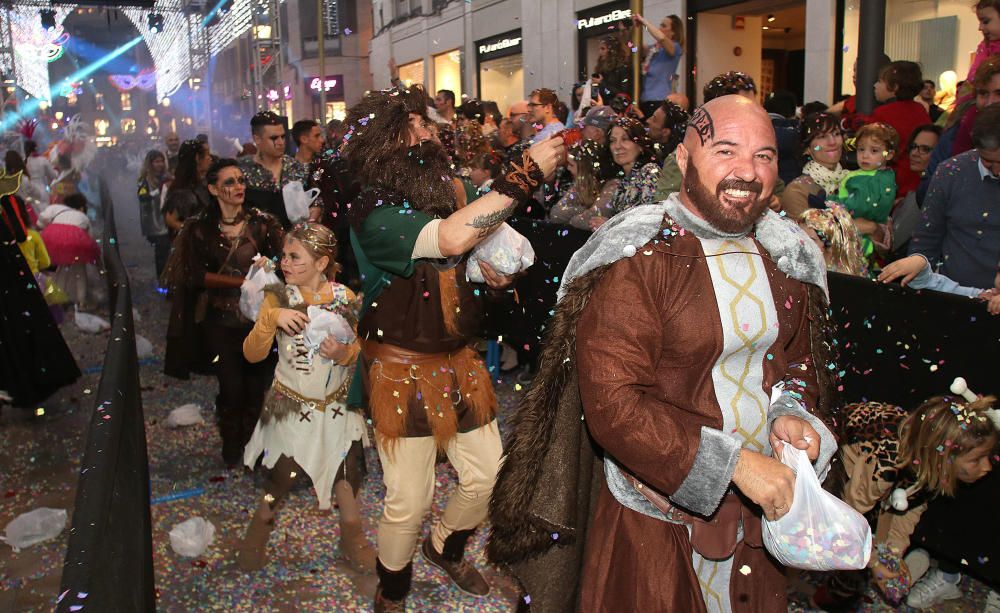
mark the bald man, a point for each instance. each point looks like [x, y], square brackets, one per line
[693, 366]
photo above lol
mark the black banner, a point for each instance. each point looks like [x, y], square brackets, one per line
[109, 557]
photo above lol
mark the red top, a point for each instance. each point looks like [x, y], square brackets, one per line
[905, 116]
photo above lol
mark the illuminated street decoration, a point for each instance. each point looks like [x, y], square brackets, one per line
[31, 68]
[145, 80]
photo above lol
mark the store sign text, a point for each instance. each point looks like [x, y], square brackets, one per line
[612, 17]
[506, 43]
[316, 84]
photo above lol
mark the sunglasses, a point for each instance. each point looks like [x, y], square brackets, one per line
[230, 182]
[921, 148]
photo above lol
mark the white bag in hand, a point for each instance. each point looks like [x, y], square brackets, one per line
[507, 251]
[192, 537]
[820, 531]
[252, 290]
[35, 526]
[297, 200]
[324, 323]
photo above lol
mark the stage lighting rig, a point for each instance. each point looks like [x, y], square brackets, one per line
[48, 18]
[155, 22]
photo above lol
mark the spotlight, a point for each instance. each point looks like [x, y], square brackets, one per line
[48, 18]
[770, 19]
[155, 21]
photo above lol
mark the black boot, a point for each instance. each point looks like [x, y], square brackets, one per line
[452, 561]
[393, 586]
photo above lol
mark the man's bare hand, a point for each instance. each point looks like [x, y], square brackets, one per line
[798, 432]
[495, 279]
[548, 154]
[766, 481]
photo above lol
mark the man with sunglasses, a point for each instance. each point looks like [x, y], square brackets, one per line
[270, 169]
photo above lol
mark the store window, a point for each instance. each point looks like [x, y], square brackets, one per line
[448, 73]
[940, 36]
[412, 73]
[336, 110]
[501, 69]
[595, 23]
[126, 99]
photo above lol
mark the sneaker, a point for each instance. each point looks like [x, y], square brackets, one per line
[931, 590]
[462, 573]
[918, 562]
[992, 602]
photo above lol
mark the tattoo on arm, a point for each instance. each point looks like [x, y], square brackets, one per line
[701, 123]
[489, 222]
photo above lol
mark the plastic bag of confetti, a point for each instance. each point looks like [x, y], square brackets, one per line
[37, 526]
[252, 290]
[507, 251]
[820, 531]
[192, 537]
[185, 415]
[324, 323]
[91, 324]
[297, 200]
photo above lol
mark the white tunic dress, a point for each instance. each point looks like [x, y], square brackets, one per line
[317, 437]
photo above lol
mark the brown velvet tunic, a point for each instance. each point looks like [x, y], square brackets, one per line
[646, 345]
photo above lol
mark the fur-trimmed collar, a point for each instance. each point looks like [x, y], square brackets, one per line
[788, 245]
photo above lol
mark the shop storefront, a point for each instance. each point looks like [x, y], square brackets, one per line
[448, 73]
[412, 73]
[500, 66]
[336, 108]
[594, 23]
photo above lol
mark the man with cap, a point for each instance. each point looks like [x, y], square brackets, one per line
[596, 123]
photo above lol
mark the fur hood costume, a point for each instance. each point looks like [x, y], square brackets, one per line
[547, 488]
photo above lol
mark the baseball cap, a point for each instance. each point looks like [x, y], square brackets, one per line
[599, 117]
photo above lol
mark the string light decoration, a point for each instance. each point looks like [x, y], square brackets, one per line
[6, 45]
[168, 47]
[31, 68]
[231, 26]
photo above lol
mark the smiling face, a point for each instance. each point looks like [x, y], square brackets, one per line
[230, 188]
[299, 266]
[729, 161]
[623, 150]
[827, 148]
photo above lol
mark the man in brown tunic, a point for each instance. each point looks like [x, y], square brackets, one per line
[695, 359]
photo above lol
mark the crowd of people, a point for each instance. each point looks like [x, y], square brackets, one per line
[408, 185]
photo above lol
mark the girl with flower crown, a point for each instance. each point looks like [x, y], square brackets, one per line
[305, 425]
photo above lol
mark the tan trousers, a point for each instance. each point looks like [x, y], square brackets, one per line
[409, 483]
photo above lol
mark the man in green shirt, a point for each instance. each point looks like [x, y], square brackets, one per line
[420, 381]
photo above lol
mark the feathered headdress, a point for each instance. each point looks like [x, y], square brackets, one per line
[27, 127]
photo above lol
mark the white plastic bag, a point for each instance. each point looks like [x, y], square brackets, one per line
[143, 347]
[192, 537]
[297, 200]
[820, 531]
[324, 323]
[35, 526]
[185, 415]
[252, 290]
[507, 251]
[91, 324]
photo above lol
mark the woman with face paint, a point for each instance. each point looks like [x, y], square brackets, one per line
[212, 255]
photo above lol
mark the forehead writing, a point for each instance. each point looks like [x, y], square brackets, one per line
[701, 123]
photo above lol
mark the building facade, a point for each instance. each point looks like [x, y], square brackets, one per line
[502, 49]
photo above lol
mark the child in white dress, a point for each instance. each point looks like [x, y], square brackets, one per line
[305, 425]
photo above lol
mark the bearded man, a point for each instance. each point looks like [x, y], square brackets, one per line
[426, 390]
[678, 323]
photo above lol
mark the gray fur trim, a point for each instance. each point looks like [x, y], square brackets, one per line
[631, 228]
[709, 477]
[788, 245]
[787, 405]
[625, 493]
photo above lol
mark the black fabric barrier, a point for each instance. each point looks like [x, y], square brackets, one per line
[896, 345]
[109, 557]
